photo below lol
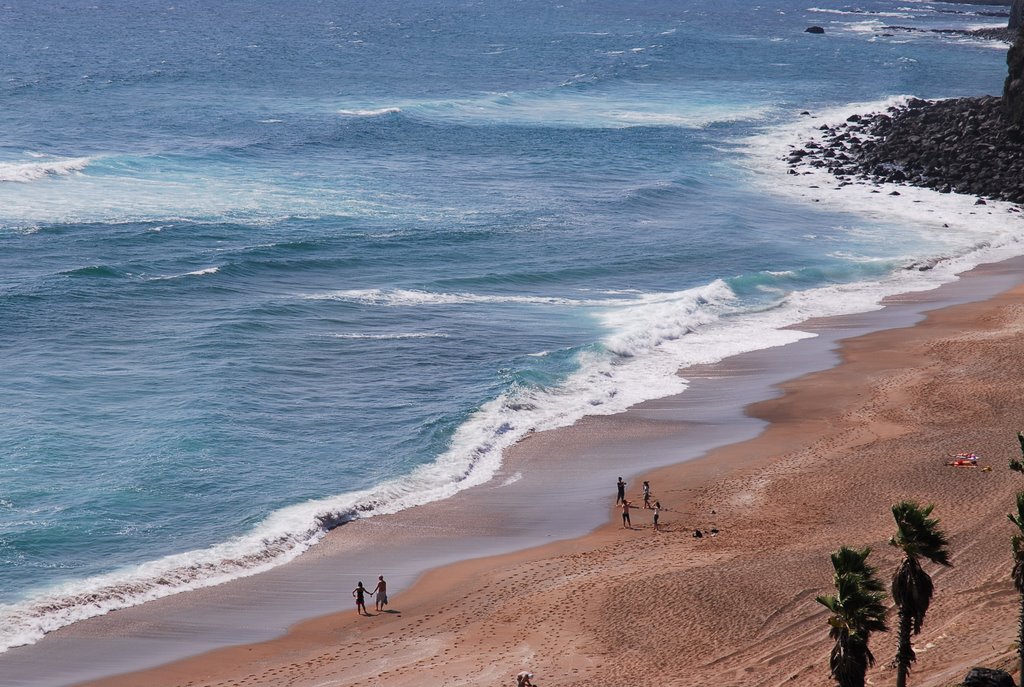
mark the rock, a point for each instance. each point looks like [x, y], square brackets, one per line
[963, 145]
[988, 677]
[1016, 15]
[1013, 86]
[814, 29]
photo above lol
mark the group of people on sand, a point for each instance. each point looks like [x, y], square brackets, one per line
[380, 592]
[626, 505]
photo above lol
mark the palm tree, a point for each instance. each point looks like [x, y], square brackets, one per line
[857, 611]
[918, 536]
[1017, 464]
[1018, 571]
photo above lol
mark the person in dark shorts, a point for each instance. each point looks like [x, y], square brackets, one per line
[657, 514]
[621, 493]
[626, 505]
[360, 593]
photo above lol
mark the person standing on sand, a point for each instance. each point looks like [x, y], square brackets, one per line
[647, 494]
[626, 505]
[381, 592]
[621, 493]
[359, 592]
[657, 514]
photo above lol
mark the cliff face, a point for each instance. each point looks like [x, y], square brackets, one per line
[1013, 87]
[1016, 15]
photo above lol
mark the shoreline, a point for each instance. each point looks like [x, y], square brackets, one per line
[199, 621]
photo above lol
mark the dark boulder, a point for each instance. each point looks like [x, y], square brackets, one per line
[987, 677]
[814, 29]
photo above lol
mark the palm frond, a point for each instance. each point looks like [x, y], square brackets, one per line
[849, 561]
[918, 535]
[1015, 464]
[1018, 517]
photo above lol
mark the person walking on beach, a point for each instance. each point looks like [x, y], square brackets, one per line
[381, 592]
[626, 505]
[647, 494]
[621, 493]
[359, 592]
[657, 514]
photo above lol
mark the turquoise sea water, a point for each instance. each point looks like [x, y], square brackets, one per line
[265, 268]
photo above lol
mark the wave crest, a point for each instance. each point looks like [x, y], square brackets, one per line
[25, 172]
[378, 112]
[389, 337]
[413, 297]
[195, 273]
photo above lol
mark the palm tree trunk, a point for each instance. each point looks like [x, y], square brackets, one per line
[1020, 638]
[905, 652]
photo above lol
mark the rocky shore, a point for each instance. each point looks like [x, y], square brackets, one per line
[963, 145]
[998, 33]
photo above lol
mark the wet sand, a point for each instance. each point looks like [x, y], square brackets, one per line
[802, 473]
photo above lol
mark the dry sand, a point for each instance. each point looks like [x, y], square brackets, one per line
[631, 607]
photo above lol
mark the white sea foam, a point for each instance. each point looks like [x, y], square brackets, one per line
[985, 26]
[168, 190]
[855, 12]
[990, 45]
[387, 337]
[195, 273]
[512, 479]
[567, 107]
[960, 233]
[412, 297]
[25, 172]
[868, 26]
[370, 112]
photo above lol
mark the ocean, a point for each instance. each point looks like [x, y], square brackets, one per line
[269, 267]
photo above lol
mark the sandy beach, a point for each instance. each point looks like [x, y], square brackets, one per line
[631, 607]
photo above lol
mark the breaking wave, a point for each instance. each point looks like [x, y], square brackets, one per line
[26, 172]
